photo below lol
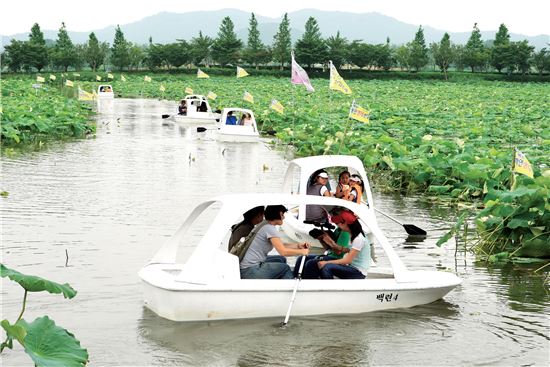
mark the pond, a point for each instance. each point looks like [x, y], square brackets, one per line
[93, 212]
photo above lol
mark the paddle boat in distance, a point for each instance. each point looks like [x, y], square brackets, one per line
[204, 282]
[298, 178]
[198, 111]
[238, 125]
[105, 91]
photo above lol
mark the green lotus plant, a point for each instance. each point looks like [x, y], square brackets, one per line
[45, 342]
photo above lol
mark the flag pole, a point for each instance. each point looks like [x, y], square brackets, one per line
[345, 130]
[330, 90]
[513, 179]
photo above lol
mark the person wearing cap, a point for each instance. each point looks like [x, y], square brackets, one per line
[316, 213]
[355, 263]
[254, 264]
[356, 189]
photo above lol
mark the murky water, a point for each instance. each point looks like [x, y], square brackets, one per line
[110, 202]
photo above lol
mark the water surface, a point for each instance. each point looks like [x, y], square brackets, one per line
[110, 202]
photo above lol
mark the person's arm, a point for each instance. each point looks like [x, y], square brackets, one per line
[333, 245]
[282, 249]
[324, 191]
[338, 193]
[347, 259]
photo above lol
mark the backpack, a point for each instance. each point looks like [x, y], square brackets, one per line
[241, 247]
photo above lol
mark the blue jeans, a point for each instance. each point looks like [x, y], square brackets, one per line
[311, 268]
[267, 270]
[329, 271]
[275, 259]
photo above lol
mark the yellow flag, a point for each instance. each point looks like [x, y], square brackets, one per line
[212, 95]
[85, 96]
[110, 76]
[98, 78]
[336, 81]
[241, 73]
[76, 74]
[277, 106]
[248, 97]
[522, 165]
[202, 75]
[122, 78]
[162, 89]
[69, 83]
[188, 90]
[358, 113]
[147, 79]
[40, 79]
[52, 77]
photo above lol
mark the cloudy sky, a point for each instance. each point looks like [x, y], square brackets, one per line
[529, 17]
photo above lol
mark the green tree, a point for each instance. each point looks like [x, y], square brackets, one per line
[94, 54]
[402, 57]
[80, 56]
[501, 50]
[359, 54]
[136, 55]
[522, 56]
[64, 54]
[36, 48]
[282, 42]
[311, 48]
[475, 55]
[176, 54]
[106, 49]
[201, 49]
[459, 59]
[541, 60]
[226, 47]
[120, 52]
[383, 58]
[337, 50]
[443, 54]
[255, 52]
[13, 55]
[154, 55]
[418, 52]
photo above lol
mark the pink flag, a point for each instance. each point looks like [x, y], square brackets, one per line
[299, 75]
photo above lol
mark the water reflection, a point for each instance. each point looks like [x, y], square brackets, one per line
[311, 341]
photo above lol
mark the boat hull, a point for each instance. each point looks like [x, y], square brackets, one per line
[237, 138]
[242, 299]
[188, 120]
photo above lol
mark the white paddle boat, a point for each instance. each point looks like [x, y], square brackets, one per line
[238, 125]
[202, 281]
[298, 177]
[105, 91]
[198, 111]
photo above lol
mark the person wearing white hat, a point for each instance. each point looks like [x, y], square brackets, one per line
[357, 188]
[316, 213]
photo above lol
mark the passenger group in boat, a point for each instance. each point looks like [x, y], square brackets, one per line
[256, 263]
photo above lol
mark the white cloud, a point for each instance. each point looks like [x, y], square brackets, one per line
[529, 17]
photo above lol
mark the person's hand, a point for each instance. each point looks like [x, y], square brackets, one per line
[305, 251]
[320, 264]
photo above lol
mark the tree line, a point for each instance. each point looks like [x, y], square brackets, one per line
[310, 50]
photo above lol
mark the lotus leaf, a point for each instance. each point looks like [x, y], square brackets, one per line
[36, 284]
[50, 345]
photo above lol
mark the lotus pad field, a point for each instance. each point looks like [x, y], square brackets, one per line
[450, 140]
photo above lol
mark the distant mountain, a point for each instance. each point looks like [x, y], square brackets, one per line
[369, 27]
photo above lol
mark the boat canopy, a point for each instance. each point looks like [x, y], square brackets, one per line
[203, 265]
